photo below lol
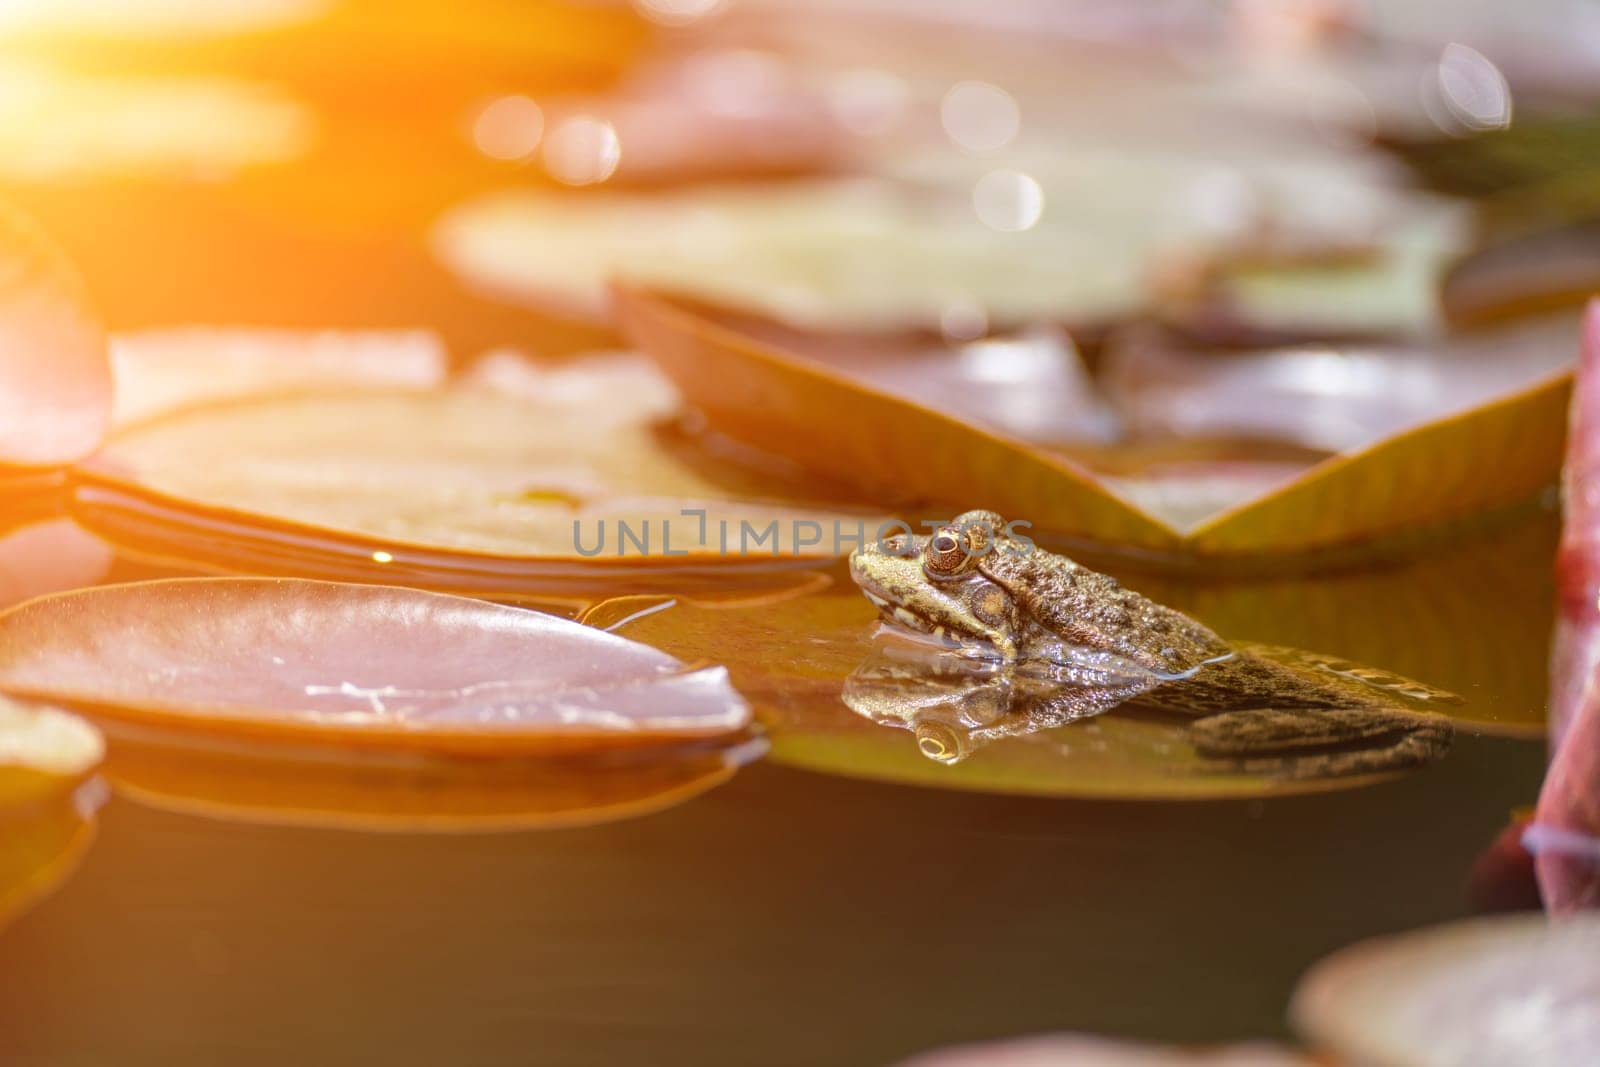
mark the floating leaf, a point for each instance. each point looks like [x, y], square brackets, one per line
[500, 490]
[1385, 288]
[55, 382]
[846, 255]
[1565, 836]
[1521, 990]
[1492, 456]
[1086, 1050]
[43, 752]
[137, 19]
[58, 125]
[362, 665]
[48, 557]
[158, 371]
[1575, 660]
[377, 791]
[1324, 396]
[45, 802]
[932, 236]
[41, 844]
[794, 660]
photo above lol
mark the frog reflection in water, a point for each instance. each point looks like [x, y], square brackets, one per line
[1029, 640]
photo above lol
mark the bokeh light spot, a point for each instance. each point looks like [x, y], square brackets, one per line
[1008, 200]
[582, 150]
[980, 117]
[508, 128]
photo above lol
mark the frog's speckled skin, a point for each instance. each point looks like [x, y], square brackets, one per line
[1105, 645]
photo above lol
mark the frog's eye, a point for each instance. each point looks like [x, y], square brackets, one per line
[946, 555]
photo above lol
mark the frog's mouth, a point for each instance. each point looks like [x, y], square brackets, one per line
[899, 615]
[946, 622]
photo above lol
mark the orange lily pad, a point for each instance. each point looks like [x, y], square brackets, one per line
[250, 782]
[1511, 989]
[361, 665]
[1495, 455]
[569, 489]
[55, 381]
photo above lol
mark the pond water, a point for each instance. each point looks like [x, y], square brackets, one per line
[842, 899]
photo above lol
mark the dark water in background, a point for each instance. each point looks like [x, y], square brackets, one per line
[785, 917]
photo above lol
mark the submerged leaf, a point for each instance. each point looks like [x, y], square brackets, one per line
[1521, 990]
[1490, 456]
[364, 665]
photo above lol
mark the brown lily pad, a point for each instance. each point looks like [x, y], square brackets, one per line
[463, 488]
[1492, 456]
[367, 666]
[1520, 989]
[1087, 1050]
[798, 661]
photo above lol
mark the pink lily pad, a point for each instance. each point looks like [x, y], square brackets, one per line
[55, 380]
[1509, 989]
[1565, 834]
[362, 665]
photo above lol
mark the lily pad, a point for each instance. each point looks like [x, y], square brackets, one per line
[498, 489]
[55, 381]
[1576, 658]
[1067, 229]
[1565, 836]
[46, 757]
[159, 371]
[795, 661]
[250, 782]
[41, 845]
[43, 752]
[58, 125]
[1087, 1050]
[367, 666]
[1520, 989]
[135, 19]
[1491, 456]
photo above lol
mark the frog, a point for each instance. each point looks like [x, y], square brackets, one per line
[974, 590]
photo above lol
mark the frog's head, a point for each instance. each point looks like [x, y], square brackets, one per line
[934, 585]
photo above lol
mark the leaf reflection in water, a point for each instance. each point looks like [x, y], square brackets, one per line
[955, 706]
[291, 785]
